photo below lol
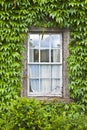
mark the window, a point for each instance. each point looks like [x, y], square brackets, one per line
[45, 64]
[45, 67]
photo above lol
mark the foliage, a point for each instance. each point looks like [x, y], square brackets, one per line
[25, 114]
[15, 18]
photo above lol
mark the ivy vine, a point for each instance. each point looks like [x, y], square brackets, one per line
[15, 19]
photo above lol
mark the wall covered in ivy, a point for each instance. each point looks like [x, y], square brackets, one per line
[16, 16]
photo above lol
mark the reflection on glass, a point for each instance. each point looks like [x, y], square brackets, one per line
[45, 41]
[34, 85]
[45, 71]
[45, 85]
[44, 57]
[34, 40]
[55, 40]
[55, 55]
[34, 71]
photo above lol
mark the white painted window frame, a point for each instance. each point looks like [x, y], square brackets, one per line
[46, 63]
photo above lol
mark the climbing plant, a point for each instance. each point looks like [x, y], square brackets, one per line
[16, 16]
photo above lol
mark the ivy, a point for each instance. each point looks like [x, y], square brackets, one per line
[15, 19]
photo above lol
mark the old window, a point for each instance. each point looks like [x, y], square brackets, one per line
[46, 63]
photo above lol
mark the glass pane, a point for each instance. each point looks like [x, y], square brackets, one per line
[45, 85]
[45, 71]
[34, 71]
[34, 40]
[56, 85]
[45, 41]
[44, 55]
[31, 55]
[56, 40]
[55, 55]
[36, 55]
[34, 85]
[56, 71]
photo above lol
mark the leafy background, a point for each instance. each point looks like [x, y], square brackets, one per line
[15, 19]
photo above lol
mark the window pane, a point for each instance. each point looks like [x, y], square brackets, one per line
[44, 55]
[45, 71]
[45, 41]
[56, 85]
[36, 55]
[34, 85]
[34, 40]
[55, 55]
[56, 71]
[45, 85]
[31, 55]
[56, 40]
[34, 71]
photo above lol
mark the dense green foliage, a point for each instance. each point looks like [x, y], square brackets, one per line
[15, 18]
[30, 114]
